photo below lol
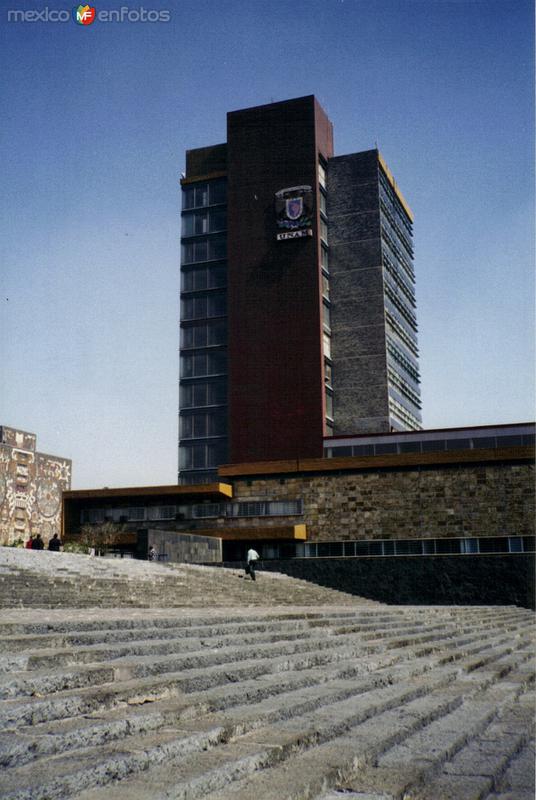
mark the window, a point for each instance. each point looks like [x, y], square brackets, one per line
[211, 393]
[327, 373]
[329, 404]
[206, 424]
[205, 277]
[326, 316]
[324, 259]
[204, 250]
[204, 334]
[327, 344]
[210, 305]
[323, 204]
[322, 175]
[325, 286]
[323, 230]
[199, 364]
[469, 545]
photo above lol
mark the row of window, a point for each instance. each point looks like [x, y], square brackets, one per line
[212, 249]
[196, 223]
[252, 508]
[208, 193]
[390, 196]
[397, 382]
[400, 292]
[402, 309]
[204, 334]
[203, 393]
[424, 547]
[202, 424]
[389, 220]
[406, 337]
[431, 445]
[410, 367]
[262, 508]
[202, 455]
[202, 364]
[399, 279]
[398, 256]
[208, 276]
[401, 414]
[205, 306]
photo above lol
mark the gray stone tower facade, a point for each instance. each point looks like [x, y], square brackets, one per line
[374, 354]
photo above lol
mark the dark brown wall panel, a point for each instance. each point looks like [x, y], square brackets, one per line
[275, 347]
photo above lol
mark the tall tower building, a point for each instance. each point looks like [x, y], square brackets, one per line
[297, 294]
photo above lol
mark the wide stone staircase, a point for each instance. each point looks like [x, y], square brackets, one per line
[45, 579]
[327, 702]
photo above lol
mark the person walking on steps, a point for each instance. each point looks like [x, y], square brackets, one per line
[252, 558]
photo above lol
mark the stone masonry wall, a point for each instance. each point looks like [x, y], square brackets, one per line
[460, 500]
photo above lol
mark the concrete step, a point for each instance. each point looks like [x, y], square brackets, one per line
[240, 714]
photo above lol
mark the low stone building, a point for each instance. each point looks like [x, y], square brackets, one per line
[31, 486]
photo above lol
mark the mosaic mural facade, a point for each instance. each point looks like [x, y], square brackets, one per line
[31, 484]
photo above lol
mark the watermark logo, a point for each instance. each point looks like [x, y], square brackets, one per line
[84, 15]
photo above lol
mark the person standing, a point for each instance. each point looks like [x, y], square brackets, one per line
[55, 543]
[29, 544]
[252, 558]
[151, 555]
[38, 543]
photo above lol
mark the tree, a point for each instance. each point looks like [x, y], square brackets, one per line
[100, 536]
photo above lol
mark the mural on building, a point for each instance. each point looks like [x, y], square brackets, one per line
[31, 484]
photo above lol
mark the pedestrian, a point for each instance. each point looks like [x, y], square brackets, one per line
[29, 544]
[151, 555]
[55, 543]
[252, 558]
[38, 543]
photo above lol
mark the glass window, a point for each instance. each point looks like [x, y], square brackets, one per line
[324, 259]
[201, 194]
[388, 548]
[323, 204]
[188, 197]
[186, 427]
[384, 449]
[217, 248]
[484, 442]
[323, 230]
[469, 545]
[218, 191]
[493, 544]
[433, 446]
[509, 441]
[458, 444]
[515, 544]
[329, 404]
[327, 373]
[327, 344]
[363, 450]
[322, 175]
[186, 396]
[218, 220]
[408, 547]
[216, 305]
[428, 547]
[326, 315]
[325, 286]
[376, 548]
[217, 276]
[446, 546]
[410, 447]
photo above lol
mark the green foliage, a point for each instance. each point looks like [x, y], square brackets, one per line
[17, 543]
[74, 547]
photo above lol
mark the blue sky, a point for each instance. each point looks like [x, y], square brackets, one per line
[95, 124]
